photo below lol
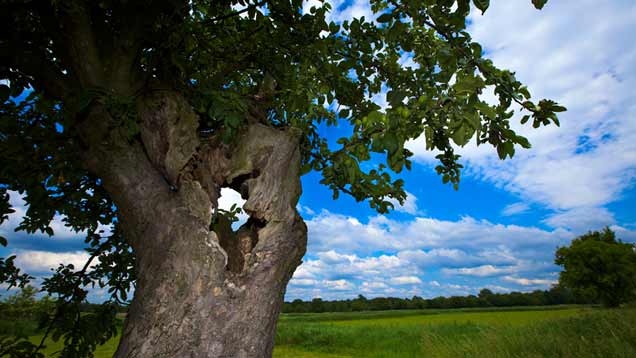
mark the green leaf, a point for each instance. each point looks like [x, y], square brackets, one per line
[459, 136]
[557, 108]
[375, 117]
[539, 4]
[483, 5]
[377, 145]
[3, 241]
[510, 149]
[523, 142]
[395, 97]
[525, 119]
[5, 93]
[501, 151]
[233, 120]
[524, 91]
[385, 18]
[391, 142]
[486, 110]
[468, 84]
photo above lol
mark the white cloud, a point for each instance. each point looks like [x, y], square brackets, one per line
[330, 231]
[458, 258]
[479, 271]
[406, 280]
[32, 261]
[582, 219]
[305, 210]
[373, 286]
[625, 233]
[530, 282]
[339, 285]
[60, 230]
[515, 209]
[409, 206]
[426, 257]
[407, 60]
[303, 282]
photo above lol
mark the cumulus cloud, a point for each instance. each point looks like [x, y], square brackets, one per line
[426, 256]
[409, 206]
[530, 282]
[35, 262]
[329, 231]
[19, 206]
[582, 219]
[64, 238]
[479, 271]
[406, 280]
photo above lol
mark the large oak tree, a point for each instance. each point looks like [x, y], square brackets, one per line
[136, 113]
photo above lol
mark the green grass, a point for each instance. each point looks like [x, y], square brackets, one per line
[568, 332]
[576, 332]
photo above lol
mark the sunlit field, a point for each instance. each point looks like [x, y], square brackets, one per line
[570, 331]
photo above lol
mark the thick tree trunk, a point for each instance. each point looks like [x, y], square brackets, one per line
[202, 289]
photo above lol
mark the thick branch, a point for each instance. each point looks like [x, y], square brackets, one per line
[81, 43]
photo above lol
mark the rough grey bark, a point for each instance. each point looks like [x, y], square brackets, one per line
[200, 292]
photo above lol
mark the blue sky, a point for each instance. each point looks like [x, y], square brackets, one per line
[501, 228]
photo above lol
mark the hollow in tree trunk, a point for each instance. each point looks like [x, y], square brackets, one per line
[203, 290]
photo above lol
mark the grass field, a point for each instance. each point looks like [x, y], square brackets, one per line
[555, 332]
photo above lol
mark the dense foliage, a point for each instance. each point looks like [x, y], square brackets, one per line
[601, 266]
[233, 60]
[486, 298]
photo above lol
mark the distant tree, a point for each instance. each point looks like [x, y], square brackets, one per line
[21, 304]
[599, 265]
[485, 296]
[25, 305]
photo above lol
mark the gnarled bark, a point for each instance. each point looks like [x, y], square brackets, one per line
[201, 292]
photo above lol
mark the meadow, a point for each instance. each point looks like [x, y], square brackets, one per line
[561, 331]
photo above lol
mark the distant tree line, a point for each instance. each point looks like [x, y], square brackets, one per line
[485, 298]
[26, 305]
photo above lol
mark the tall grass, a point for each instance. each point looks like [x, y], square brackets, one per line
[568, 333]
[579, 332]
[607, 333]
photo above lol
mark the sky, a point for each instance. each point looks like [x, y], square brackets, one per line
[501, 228]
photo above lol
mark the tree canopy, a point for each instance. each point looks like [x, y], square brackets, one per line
[601, 266]
[238, 62]
[233, 57]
